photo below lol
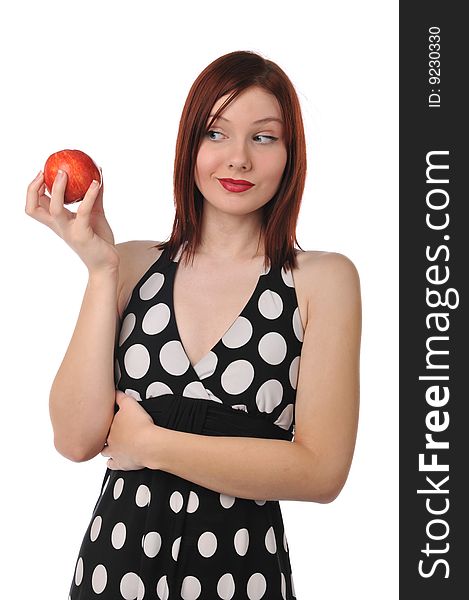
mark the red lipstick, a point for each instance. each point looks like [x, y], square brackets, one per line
[235, 185]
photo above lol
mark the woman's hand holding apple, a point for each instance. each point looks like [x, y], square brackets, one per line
[87, 231]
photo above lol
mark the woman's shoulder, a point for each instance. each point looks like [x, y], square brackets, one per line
[325, 263]
[132, 246]
[325, 275]
[136, 257]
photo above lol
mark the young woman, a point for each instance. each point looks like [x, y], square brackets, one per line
[235, 356]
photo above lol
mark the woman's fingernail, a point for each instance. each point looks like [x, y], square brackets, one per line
[38, 175]
[59, 173]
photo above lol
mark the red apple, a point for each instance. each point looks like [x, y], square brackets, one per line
[80, 169]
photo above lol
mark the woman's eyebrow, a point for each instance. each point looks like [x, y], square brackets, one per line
[264, 120]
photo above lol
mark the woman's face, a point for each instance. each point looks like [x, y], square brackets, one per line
[237, 147]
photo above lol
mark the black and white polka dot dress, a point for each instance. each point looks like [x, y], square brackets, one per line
[156, 536]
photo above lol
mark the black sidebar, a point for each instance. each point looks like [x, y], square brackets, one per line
[434, 270]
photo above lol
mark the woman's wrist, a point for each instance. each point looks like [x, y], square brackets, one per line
[153, 442]
[104, 275]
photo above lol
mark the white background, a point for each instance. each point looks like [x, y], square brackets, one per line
[110, 78]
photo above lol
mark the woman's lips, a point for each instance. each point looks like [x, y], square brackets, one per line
[231, 186]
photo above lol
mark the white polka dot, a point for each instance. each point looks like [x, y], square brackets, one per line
[238, 334]
[195, 389]
[256, 586]
[176, 501]
[266, 270]
[293, 372]
[95, 528]
[237, 376]
[269, 395]
[227, 501]
[190, 588]
[137, 361]
[133, 393]
[175, 548]
[143, 495]
[213, 397]
[173, 358]
[118, 487]
[270, 541]
[79, 571]
[151, 543]
[242, 407]
[99, 579]
[270, 304]
[283, 586]
[193, 502]
[127, 327]
[286, 417]
[207, 365]
[151, 286]
[260, 502]
[207, 544]
[157, 388]
[226, 586]
[131, 587]
[272, 348]
[287, 277]
[285, 543]
[241, 541]
[156, 318]
[118, 535]
[297, 324]
[162, 588]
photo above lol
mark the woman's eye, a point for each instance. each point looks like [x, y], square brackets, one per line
[269, 137]
[211, 131]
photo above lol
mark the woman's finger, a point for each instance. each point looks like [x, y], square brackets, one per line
[86, 205]
[98, 205]
[36, 207]
[32, 193]
[43, 199]
[56, 207]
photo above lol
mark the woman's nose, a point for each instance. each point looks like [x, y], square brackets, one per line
[238, 156]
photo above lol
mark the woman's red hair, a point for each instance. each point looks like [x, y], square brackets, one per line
[231, 74]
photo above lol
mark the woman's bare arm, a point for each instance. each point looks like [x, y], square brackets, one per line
[81, 401]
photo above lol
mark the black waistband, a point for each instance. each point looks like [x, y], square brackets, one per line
[207, 417]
